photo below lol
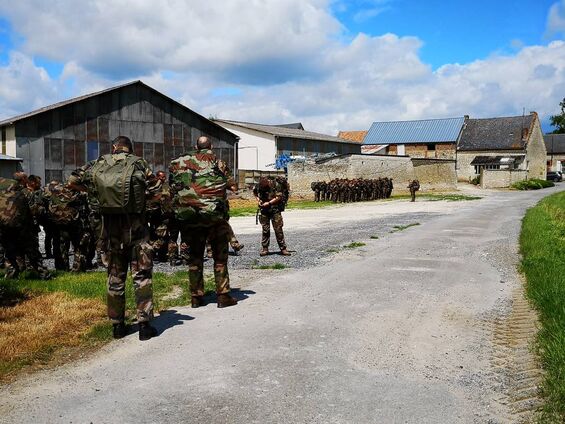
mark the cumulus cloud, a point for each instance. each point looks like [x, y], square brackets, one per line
[265, 61]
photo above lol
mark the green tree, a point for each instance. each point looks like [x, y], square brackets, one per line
[558, 121]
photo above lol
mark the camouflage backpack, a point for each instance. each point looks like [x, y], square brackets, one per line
[63, 204]
[14, 207]
[282, 185]
[199, 188]
[119, 184]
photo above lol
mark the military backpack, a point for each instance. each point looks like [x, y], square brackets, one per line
[119, 184]
[14, 207]
[199, 188]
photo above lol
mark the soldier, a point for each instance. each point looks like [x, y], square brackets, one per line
[16, 228]
[270, 199]
[199, 192]
[315, 186]
[414, 186]
[118, 184]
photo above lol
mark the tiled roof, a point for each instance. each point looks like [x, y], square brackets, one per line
[495, 133]
[356, 136]
[411, 132]
[279, 131]
[554, 143]
[295, 125]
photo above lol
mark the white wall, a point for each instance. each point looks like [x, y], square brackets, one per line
[11, 140]
[256, 149]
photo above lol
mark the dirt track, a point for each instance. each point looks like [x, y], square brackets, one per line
[426, 325]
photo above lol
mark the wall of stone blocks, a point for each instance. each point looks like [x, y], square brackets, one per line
[497, 178]
[432, 174]
[536, 154]
[466, 171]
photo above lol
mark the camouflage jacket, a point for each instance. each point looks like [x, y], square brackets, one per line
[14, 204]
[198, 182]
[64, 204]
[162, 200]
[274, 191]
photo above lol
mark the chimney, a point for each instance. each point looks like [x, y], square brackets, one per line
[524, 133]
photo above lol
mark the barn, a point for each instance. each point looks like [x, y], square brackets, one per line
[55, 140]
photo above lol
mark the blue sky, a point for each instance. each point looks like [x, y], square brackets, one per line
[332, 64]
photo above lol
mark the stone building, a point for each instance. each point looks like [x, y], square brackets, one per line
[55, 140]
[508, 144]
[429, 138]
[260, 145]
[555, 146]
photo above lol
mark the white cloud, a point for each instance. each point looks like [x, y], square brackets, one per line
[276, 61]
[556, 18]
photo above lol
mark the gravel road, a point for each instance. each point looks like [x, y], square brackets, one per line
[399, 330]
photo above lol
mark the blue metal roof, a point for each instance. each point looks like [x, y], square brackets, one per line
[409, 132]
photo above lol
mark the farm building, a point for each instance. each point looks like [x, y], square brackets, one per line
[512, 144]
[55, 140]
[260, 145]
[555, 146]
[429, 138]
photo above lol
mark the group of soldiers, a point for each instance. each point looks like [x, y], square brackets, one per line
[345, 190]
[115, 212]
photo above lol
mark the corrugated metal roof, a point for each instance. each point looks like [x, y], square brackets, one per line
[410, 132]
[12, 158]
[285, 132]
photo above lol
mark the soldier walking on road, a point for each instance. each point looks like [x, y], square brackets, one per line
[270, 199]
[119, 182]
[414, 186]
[199, 184]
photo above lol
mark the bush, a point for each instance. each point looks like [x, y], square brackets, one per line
[533, 184]
[476, 180]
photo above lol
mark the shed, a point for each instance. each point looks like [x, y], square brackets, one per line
[56, 139]
[9, 165]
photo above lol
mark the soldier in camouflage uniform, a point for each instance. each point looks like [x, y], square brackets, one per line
[122, 208]
[64, 210]
[269, 196]
[414, 186]
[199, 184]
[16, 228]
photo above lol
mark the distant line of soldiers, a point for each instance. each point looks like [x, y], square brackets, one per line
[354, 190]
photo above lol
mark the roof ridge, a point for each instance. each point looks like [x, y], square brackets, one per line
[421, 120]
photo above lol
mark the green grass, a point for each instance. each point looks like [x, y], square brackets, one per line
[542, 244]
[273, 266]
[93, 285]
[436, 197]
[332, 250]
[374, 237]
[532, 184]
[292, 204]
[354, 245]
[398, 228]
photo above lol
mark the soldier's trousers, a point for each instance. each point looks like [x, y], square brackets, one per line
[128, 246]
[80, 239]
[277, 220]
[21, 242]
[195, 237]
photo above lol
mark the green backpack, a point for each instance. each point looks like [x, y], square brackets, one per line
[199, 188]
[119, 184]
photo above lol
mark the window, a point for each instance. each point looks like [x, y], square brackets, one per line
[3, 151]
[431, 147]
[91, 150]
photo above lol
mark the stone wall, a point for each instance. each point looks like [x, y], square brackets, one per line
[466, 171]
[442, 151]
[536, 154]
[501, 178]
[433, 174]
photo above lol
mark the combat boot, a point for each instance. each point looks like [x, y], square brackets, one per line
[197, 301]
[264, 252]
[119, 330]
[225, 300]
[285, 252]
[237, 247]
[146, 331]
[175, 262]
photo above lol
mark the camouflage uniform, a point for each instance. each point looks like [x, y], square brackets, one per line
[163, 229]
[64, 211]
[127, 240]
[17, 230]
[194, 193]
[270, 215]
[414, 186]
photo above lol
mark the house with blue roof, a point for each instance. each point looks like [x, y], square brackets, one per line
[427, 138]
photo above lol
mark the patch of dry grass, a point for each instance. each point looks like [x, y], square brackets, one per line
[41, 325]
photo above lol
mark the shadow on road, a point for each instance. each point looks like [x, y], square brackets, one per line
[168, 319]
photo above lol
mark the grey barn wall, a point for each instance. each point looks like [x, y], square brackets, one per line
[136, 111]
[433, 174]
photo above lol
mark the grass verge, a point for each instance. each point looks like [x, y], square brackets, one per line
[43, 320]
[532, 184]
[272, 266]
[247, 208]
[398, 228]
[354, 245]
[542, 244]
